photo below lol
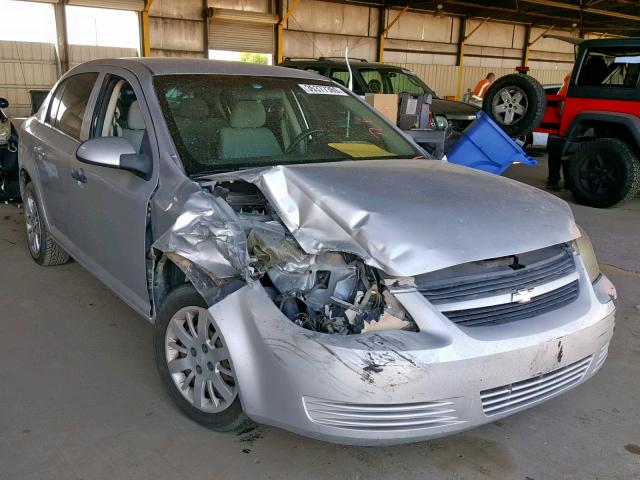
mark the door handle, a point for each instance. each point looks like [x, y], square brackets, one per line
[78, 174]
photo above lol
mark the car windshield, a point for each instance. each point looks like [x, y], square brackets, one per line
[224, 122]
[380, 80]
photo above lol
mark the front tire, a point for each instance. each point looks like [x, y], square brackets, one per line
[517, 103]
[42, 247]
[194, 362]
[604, 172]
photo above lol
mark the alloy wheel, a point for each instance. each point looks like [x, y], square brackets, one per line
[32, 224]
[198, 360]
[599, 175]
[509, 105]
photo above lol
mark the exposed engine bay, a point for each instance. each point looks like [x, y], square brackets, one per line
[330, 292]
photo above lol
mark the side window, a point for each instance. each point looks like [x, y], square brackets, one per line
[341, 75]
[610, 67]
[119, 113]
[403, 83]
[72, 104]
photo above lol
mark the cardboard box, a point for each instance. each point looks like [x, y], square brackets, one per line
[385, 103]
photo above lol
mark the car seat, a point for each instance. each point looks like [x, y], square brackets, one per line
[198, 129]
[593, 71]
[375, 86]
[135, 129]
[247, 137]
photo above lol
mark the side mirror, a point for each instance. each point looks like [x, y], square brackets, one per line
[115, 152]
[4, 103]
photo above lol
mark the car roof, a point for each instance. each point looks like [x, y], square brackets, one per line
[611, 42]
[338, 63]
[169, 66]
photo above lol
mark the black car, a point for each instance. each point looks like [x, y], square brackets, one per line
[370, 77]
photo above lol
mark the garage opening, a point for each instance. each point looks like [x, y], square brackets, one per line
[250, 57]
[103, 27]
[241, 36]
[27, 22]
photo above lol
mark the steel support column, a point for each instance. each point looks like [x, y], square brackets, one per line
[529, 44]
[382, 34]
[460, 56]
[62, 42]
[280, 30]
[145, 32]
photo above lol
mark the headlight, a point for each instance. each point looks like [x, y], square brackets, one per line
[584, 247]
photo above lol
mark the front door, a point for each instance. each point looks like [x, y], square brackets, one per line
[111, 205]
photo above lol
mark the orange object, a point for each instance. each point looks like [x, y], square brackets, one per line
[565, 85]
[481, 88]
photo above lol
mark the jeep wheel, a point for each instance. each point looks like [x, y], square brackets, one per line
[604, 172]
[517, 103]
[194, 362]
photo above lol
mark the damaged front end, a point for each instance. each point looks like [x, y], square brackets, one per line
[229, 232]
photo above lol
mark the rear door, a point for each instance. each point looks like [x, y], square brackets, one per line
[111, 205]
[64, 128]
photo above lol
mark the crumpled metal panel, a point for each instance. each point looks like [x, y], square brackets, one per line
[409, 217]
[210, 235]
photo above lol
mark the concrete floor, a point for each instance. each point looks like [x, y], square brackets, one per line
[80, 397]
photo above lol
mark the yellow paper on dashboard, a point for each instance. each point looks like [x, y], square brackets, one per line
[361, 150]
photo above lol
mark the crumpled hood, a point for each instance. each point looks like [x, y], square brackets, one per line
[409, 217]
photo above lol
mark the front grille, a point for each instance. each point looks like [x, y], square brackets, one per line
[513, 311]
[524, 393]
[360, 416]
[480, 280]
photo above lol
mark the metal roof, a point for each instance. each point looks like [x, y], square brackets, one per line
[616, 17]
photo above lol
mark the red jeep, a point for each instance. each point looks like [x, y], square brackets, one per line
[594, 130]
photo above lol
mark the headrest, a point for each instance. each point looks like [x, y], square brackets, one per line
[135, 121]
[248, 114]
[193, 108]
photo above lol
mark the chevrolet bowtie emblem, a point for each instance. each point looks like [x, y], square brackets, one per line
[523, 295]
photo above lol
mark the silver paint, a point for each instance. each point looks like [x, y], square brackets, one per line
[403, 217]
[409, 217]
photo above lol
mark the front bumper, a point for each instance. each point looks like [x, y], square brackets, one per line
[396, 387]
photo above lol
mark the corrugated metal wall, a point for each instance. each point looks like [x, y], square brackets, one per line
[25, 66]
[28, 66]
[443, 79]
[83, 53]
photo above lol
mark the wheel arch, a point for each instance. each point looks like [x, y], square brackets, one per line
[622, 126]
[172, 270]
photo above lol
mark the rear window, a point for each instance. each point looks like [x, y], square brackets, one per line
[613, 67]
[69, 103]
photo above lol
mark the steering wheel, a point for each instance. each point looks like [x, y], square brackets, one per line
[302, 136]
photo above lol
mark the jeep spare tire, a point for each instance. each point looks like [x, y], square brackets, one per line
[516, 102]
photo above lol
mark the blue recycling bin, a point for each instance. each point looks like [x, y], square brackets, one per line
[485, 146]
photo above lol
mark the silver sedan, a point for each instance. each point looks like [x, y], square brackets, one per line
[303, 264]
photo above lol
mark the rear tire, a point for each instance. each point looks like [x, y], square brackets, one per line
[196, 360]
[517, 103]
[42, 247]
[604, 172]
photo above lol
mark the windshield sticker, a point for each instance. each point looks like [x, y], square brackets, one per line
[361, 150]
[322, 90]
